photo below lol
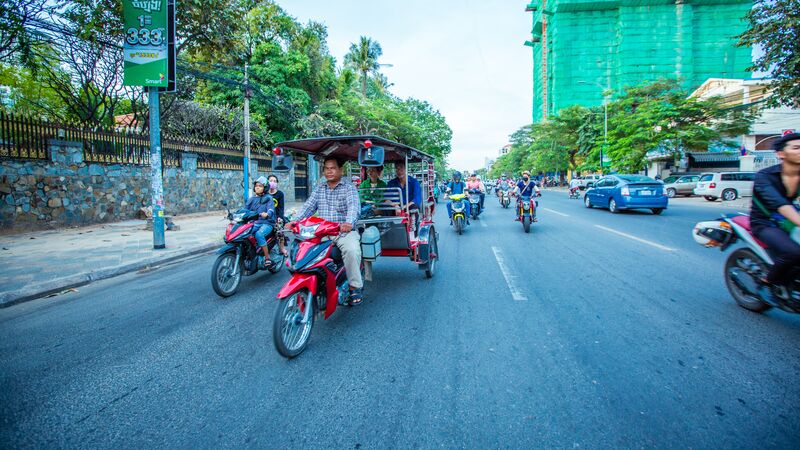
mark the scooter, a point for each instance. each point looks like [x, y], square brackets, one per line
[747, 265]
[459, 208]
[474, 203]
[318, 284]
[526, 212]
[505, 198]
[575, 193]
[239, 255]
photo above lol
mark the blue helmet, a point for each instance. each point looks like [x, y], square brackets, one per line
[456, 175]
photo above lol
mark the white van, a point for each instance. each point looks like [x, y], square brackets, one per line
[727, 185]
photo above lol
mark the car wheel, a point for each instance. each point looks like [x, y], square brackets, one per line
[729, 195]
[710, 198]
[657, 211]
[612, 206]
[586, 202]
[671, 192]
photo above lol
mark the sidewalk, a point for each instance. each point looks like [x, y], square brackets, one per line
[43, 262]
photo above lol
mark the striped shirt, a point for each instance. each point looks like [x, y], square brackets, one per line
[339, 204]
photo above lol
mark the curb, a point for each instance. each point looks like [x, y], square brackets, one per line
[54, 286]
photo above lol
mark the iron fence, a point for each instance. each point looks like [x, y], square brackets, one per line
[29, 138]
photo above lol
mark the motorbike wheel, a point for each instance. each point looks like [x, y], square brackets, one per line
[430, 266]
[288, 333]
[736, 266]
[224, 283]
[459, 223]
[526, 223]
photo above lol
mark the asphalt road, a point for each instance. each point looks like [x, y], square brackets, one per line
[594, 330]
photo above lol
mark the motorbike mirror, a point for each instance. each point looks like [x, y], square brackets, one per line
[371, 156]
[282, 163]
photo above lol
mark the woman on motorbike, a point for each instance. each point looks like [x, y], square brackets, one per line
[262, 204]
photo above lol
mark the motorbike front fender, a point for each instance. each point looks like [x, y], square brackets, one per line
[297, 282]
[227, 248]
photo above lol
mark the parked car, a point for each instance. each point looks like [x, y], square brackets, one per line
[619, 192]
[681, 186]
[727, 185]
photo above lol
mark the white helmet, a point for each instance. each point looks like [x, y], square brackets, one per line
[712, 233]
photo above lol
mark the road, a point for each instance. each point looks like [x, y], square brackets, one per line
[594, 330]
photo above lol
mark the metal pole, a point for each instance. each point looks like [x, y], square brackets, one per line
[605, 132]
[157, 187]
[246, 183]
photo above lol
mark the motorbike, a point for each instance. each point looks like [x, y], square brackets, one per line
[474, 203]
[526, 211]
[505, 198]
[318, 284]
[239, 256]
[575, 193]
[747, 265]
[459, 219]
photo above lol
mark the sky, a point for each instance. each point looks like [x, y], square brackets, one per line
[464, 57]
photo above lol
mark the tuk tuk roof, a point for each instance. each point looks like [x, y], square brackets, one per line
[347, 147]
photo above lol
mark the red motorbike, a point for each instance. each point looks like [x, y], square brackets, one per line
[318, 284]
[240, 254]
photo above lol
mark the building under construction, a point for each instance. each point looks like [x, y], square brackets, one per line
[582, 47]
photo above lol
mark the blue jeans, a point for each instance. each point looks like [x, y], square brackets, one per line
[450, 208]
[262, 231]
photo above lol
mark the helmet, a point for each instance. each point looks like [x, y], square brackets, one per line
[712, 233]
[456, 175]
[260, 180]
[474, 174]
[526, 171]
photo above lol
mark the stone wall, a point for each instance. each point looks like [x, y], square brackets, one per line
[65, 191]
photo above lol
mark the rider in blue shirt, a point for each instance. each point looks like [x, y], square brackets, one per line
[527, 188]
[457, 186]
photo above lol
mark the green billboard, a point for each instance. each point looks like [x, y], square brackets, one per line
[146, 55]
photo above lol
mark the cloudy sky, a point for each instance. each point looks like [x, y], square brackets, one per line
[465, 57]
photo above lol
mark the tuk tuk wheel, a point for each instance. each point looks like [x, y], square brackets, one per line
[430, 266]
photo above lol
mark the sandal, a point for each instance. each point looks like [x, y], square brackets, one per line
[356, 297]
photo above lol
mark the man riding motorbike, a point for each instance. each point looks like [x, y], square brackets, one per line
[574, 185]
[336, 200]
[527, 188]
[262, 204]
[774, 214]
[456, 186]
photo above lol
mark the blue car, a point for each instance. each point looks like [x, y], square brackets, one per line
[618, 192]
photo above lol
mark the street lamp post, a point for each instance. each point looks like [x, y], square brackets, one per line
[605, 119]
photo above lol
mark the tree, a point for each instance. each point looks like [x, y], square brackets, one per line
[363, 57]
[15, 17]
[775, 27]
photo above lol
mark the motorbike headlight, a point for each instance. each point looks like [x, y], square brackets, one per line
[526, 205]
[307, 232]
[238, 217]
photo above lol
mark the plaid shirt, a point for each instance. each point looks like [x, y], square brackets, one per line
[339, 204]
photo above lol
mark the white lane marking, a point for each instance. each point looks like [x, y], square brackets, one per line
[516, 294]
[643, 241]
[556, 212]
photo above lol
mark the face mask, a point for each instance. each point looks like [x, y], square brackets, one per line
[525, 178]
[273, 185]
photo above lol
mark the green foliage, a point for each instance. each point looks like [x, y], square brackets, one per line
[363, 58]
[652, 116]
[774, 26]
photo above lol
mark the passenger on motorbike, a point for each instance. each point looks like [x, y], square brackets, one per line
[456, 186]
[279, 200]
[337, 201]
[262, 204]
[527, 188]
[774, 213]
[482, 187]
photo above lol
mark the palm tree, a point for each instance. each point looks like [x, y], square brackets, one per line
[363, 57]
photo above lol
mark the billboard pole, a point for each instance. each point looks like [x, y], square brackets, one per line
[157, 186]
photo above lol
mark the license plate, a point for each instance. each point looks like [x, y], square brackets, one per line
[645, 192]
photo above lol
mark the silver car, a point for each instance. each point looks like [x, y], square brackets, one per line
[682, 186]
